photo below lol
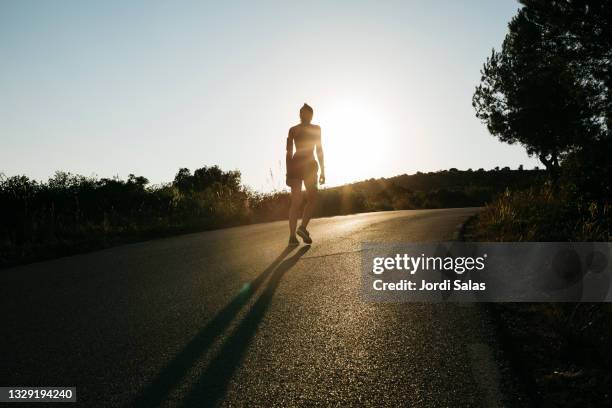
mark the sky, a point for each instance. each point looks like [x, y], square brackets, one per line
[117, 87]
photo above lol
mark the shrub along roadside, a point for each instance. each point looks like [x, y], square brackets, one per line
[561, 349]
[541, 213]
[72, 213]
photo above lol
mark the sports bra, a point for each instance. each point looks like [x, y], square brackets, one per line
[305, 139]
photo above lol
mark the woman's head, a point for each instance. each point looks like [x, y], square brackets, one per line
[306, 113]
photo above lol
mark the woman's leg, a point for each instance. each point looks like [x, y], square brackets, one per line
[296, 204]
[312, 195]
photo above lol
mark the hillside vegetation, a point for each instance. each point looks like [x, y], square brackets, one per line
[70, 213]
[549, 89]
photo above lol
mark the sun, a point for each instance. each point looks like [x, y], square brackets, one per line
[355, 137]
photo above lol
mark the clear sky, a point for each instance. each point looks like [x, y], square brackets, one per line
[145, 87]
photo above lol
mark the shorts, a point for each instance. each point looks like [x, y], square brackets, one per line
[303, 171]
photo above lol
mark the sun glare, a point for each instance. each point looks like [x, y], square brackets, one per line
[355, 140]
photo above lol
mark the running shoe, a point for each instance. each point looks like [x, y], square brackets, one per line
[304, 234]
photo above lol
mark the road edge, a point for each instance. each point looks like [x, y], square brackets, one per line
[513, 374]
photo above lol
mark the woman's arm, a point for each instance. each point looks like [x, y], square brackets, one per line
[289, 154]
[320, 158]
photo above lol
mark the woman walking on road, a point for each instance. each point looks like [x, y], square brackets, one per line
[303, 168]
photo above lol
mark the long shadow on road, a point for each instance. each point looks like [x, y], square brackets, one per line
[172, 374]
[212, 384]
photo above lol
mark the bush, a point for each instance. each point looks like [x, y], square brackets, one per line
[72, 212]
[562, 347]
[542, 213]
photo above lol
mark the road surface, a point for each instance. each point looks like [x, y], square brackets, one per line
[233, 318]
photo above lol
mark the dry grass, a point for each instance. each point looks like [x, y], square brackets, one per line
[563, 350]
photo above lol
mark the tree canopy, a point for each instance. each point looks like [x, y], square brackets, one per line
[549, 87]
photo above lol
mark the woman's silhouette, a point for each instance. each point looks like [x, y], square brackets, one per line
[302, 167]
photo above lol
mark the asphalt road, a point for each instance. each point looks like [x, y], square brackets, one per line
[233, 318]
